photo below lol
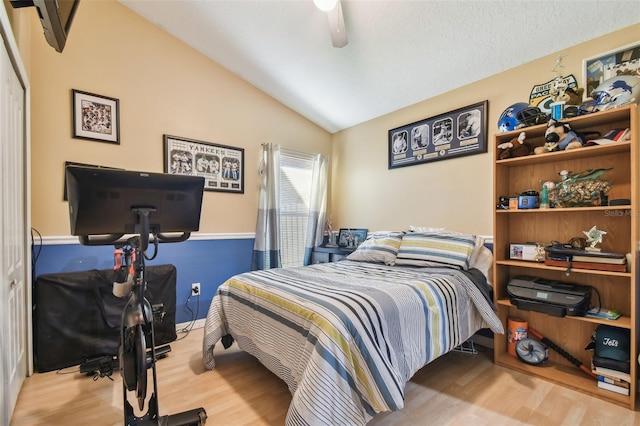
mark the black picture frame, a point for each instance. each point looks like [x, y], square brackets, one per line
[456, 133]
[345, 240]
[95, 117]
[222, 166]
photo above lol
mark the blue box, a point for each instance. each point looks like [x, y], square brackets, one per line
[528, 201]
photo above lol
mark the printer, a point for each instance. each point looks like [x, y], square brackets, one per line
[551, 297]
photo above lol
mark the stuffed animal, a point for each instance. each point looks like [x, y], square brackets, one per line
[573, 96]
[559, 136]
[573, 99]
[516, 147]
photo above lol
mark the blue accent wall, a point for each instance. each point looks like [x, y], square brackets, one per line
[208, 262]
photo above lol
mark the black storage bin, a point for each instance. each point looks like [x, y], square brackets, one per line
[77, 317]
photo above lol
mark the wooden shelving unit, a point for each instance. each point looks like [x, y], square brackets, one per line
[622, 223]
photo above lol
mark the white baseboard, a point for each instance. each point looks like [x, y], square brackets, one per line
[197, 324]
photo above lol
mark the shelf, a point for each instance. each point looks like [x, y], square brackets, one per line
[580, 123]
[570, 154]
[622, 224]
[622, 322]
[539, 265]
[567, 376]
[564, 210]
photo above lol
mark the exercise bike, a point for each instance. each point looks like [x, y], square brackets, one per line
[88, 205]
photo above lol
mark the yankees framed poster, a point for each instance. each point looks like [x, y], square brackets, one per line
[221, 166]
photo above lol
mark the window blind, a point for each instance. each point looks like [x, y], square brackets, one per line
[296, 173]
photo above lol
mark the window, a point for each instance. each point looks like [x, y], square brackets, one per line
[296, 177]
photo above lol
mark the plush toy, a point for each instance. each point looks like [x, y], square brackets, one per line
[516, 147]
[573, 96]
[573, 99]
[559, 136]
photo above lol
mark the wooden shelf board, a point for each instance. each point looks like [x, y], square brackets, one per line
[570, 377]
[540, 265]
[551, 157]
[622, 322]
[563, 210]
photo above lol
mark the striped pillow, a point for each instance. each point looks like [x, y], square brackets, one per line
[379, 247]
[436, 249]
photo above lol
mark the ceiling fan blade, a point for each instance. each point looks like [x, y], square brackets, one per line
[336, 26]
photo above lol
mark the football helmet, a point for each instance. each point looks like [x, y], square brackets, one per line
[531, 116]
[509, 118]
[613, 93]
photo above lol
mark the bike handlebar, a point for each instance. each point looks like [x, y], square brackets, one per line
[113, 239]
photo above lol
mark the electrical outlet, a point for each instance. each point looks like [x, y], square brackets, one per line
[195, 289]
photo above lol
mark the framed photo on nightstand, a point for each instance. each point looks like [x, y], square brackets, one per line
[351, 238]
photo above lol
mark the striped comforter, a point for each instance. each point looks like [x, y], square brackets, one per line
[346, 336]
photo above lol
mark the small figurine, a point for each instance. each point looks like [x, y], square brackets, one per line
[564, 174]
[544, 198]
[594, 236]
[329, 228]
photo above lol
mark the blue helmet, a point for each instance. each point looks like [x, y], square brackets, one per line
[509, 118]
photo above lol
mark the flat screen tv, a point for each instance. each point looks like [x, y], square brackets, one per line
[55, 16]
[107, 201]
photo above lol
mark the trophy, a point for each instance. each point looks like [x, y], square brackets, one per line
[330, 233]
[557, 91]
[594, 236]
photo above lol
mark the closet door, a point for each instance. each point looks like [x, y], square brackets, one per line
[13, 235]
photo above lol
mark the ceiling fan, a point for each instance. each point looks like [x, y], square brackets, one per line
[336, 21]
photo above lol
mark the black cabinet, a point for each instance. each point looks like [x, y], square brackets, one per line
[77, 317]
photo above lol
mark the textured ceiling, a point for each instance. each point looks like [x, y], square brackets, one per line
[399, 52]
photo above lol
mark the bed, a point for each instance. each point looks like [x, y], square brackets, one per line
[347, 336]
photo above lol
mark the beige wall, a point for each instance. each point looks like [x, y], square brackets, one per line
[164, 87]
[454, 193]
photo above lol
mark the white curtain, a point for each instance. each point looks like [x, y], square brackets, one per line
[266, 248]
[317, 206]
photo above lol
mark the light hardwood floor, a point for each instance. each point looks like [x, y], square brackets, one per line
[456, 389]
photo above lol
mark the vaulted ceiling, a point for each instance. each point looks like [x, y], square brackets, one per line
[398, 52]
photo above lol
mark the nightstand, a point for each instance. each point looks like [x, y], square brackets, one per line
[329, 254]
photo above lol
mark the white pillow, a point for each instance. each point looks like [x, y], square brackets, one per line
[379, 247]
[481, 257]
[476, 250]
[479, 239]
[425, 229]
[483, 262]
[439, 248]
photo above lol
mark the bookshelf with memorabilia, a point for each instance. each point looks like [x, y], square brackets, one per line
[610, 269]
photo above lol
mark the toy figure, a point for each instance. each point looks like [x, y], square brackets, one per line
[544, 198]
[559, 136]
[559, 86]
[516, 147]
[594, 236]
[331, 237]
